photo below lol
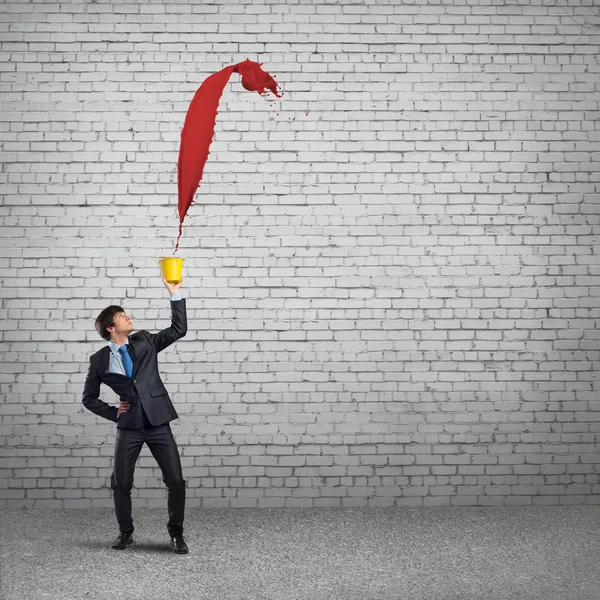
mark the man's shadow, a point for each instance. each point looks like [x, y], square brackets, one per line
[152, 547]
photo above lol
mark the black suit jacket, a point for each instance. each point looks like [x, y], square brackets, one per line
[145, 388]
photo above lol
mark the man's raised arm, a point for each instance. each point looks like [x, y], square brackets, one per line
[178, 328]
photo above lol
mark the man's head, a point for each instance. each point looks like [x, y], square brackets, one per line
[113, 320]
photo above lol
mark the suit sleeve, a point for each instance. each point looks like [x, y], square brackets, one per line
[90, 399]
[163, 339]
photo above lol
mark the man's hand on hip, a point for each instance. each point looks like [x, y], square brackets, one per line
[123, 407]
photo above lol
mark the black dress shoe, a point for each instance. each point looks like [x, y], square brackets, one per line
[178, 545]
[122, 541]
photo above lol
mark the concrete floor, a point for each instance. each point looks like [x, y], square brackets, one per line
[460, 553]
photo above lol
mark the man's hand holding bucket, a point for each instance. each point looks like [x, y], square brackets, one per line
[172, 287]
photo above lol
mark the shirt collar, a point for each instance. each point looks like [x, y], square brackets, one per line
[114, 348]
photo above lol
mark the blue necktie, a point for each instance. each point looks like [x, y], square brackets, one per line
[127, 362]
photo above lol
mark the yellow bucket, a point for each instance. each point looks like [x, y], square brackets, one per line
[171, 267]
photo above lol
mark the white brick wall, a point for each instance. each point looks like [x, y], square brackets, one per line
[392, 300]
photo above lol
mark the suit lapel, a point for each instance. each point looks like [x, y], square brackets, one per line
[133, 353]
[104, 357]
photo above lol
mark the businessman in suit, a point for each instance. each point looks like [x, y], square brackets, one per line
[129, 366]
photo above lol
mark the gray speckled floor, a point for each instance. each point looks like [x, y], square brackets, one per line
[460, 553]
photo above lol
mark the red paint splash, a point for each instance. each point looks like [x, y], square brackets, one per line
[199, 127]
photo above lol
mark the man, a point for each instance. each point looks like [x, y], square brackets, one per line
[128, 365]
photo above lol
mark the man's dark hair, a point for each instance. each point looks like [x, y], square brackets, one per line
[107, 319]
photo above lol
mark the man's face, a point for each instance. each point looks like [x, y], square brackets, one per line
[122, 322]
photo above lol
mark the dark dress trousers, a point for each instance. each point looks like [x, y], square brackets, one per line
[147, 420]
